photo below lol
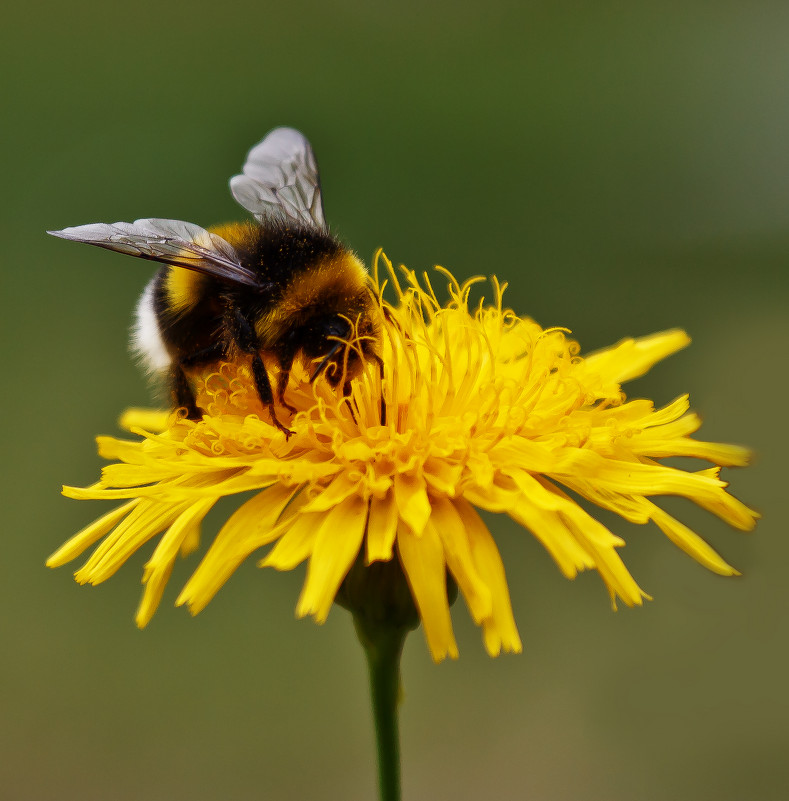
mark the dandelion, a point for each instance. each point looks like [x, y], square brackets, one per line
[378, 484]
[470, 408]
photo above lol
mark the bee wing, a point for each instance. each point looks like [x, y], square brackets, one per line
[281, 176]
[174, 242]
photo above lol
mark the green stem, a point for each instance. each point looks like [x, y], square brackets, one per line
[383, 647]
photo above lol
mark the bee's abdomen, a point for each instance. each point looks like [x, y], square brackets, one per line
[186, 329]
[146, 338]
[183, 288]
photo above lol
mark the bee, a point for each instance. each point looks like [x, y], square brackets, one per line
[282, 286]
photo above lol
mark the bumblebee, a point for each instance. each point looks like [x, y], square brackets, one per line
[282, 287]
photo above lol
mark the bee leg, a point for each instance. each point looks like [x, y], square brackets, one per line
[263, 386]
[183, 396]
[325, 363]
[246, 339]
[282, 382]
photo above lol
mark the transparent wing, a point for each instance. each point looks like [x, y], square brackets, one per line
[280, 176]
[174, 242]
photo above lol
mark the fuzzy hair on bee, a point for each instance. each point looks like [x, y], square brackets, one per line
[282, 286]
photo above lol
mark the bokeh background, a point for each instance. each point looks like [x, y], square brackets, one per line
[625, 166]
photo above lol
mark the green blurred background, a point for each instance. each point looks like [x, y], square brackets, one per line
[625, 166]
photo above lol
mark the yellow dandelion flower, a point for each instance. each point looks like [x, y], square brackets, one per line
[472, 407]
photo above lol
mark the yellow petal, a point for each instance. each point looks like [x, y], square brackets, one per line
[632, 358]
[145, 521]
[160, 566]
[449, 526]
[728, 508]
[337, 491]
[89, 535]
[336, 546]
[132, 475]
[122, 449]
[552, 531]
[250, 527]
[296, 543]
[499, 629]
[381, 528]
[425, 569]
[602, 544]
[690, 542]
[155, 420]
[494, 498]
[412, 501]
[540, 495]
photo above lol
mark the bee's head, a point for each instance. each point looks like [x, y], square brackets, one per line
[335, 346]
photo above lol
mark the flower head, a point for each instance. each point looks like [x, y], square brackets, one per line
[470, 407]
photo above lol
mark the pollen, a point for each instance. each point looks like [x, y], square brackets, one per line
[470, 408]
